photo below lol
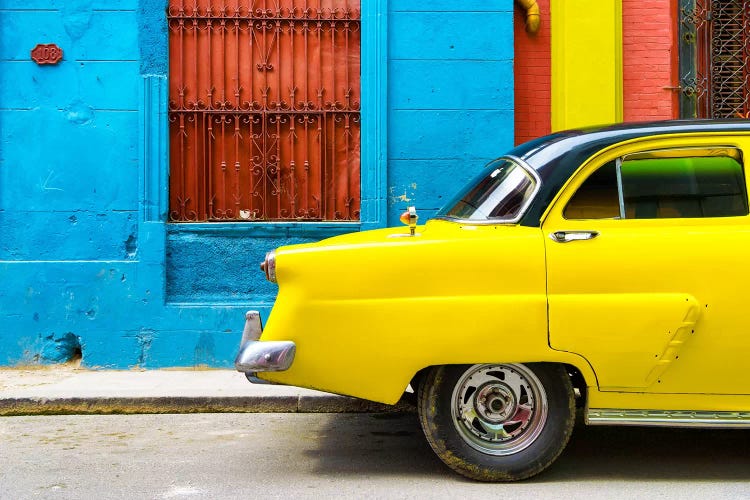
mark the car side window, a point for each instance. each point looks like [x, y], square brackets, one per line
[664, 184]
[688, 187]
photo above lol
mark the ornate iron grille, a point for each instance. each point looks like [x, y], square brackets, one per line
[715, 58]
[264, 110]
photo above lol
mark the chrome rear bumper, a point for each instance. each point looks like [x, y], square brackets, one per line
[261, 356]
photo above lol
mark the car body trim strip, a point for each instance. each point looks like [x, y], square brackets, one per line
[668, 418]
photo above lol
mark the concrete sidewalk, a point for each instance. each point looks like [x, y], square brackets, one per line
[65, 390]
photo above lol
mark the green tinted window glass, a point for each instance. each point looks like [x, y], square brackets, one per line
[688, 187]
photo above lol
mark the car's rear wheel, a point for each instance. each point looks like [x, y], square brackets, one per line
[497, 422]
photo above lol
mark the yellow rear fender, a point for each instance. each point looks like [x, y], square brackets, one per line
[369, 310]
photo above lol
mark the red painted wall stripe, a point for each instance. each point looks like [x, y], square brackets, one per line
[649, 30]
[533, 78]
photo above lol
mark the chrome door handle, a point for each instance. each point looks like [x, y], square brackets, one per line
[568, 236]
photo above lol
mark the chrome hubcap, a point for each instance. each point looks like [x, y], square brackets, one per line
[495, 403]
[499, 409]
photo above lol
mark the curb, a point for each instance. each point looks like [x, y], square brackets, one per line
[154, 405]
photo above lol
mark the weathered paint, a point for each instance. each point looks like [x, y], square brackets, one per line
[88, 265]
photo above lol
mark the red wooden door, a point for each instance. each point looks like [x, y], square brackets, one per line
[264, 110]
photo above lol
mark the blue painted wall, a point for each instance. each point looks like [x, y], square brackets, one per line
[87, 264]
[450, 97]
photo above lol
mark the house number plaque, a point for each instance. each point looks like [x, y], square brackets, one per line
[46, 53]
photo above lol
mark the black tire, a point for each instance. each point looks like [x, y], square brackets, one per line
[497, 422]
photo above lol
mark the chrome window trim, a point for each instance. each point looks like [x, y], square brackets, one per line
[686, 152]
[620, 193]
[521, 212]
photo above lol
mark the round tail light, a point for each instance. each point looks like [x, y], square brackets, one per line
[268, 266]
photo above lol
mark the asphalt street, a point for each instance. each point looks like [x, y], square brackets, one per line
[342, 456]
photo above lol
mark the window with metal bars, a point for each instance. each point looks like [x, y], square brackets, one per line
[715, 58]
[264, 110]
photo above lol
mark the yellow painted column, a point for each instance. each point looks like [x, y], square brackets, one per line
[586, 62]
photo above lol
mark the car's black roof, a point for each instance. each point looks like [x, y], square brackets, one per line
[556, 157]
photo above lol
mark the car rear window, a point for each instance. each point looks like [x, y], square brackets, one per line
[498, 194]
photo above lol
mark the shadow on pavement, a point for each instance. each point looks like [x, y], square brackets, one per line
[393, 444]
[375, 444]
[653, 454]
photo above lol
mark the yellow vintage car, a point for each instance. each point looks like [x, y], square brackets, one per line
[604, 266]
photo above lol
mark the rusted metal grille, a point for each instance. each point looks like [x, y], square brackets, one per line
[715, 58]
[264, 110]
